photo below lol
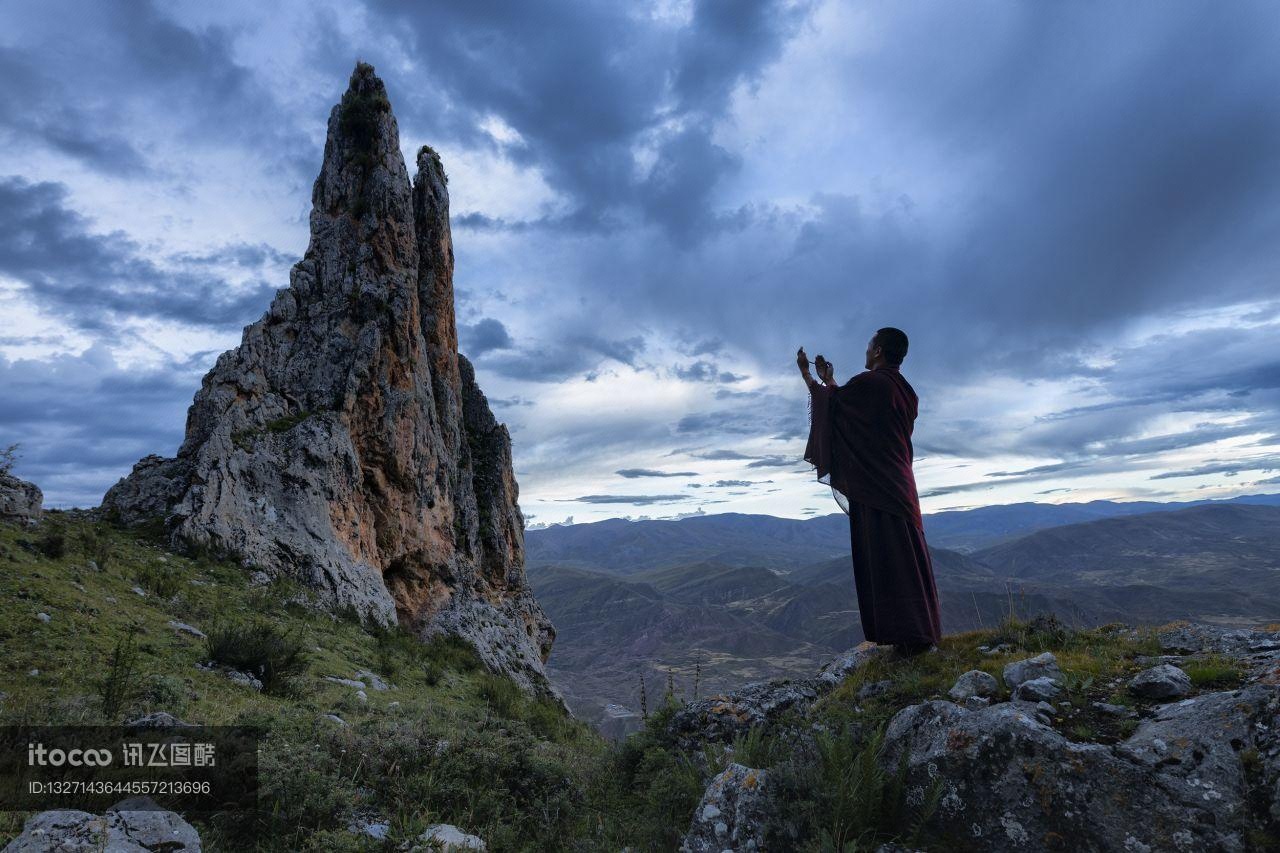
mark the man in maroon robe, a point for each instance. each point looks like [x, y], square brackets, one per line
[860, 443]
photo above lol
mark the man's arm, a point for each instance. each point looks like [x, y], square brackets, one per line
[802, 361]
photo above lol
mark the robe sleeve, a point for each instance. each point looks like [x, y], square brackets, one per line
[818, 451]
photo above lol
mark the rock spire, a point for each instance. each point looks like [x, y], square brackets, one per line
[345, 442]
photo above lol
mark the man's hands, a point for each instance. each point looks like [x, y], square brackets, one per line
[826, 371]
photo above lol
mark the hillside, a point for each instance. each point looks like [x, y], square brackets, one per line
[373, 737]
[767, 616]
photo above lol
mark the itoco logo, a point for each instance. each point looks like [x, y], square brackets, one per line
[39, 755]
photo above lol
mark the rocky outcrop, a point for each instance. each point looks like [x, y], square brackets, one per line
[345, 442]
[1202, 773]
[20, 502]
[132, 826]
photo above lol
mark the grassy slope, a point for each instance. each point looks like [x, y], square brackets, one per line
[462, 746]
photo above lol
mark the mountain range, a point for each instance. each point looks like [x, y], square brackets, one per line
[708, 602]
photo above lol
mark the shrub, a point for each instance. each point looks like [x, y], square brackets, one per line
[119, 685]
[161, 581]
[8, 458]
[502, 695]
[96, 546]
[53, 544]
[261, 649]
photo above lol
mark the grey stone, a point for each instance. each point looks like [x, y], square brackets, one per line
[345, 443]
[133, 826]
[244, 679]
[1010, 782]
[446, 837]
[44, 617]
[975, 682]
[184, 628]
[333, 718]
[373, 680]
[1040, 689]
[346, 682]
[1164, 681]
[1042, 665]
[732, 814]
[157, 720]
[20, 502]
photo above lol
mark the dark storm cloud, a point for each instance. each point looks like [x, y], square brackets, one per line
[82, 421]
[94, 281]
[92, 90]
[560, 360]
[638, 500]
[584, 85]
[1230, 467]
[704, 371]
[634, 473]
[481, 337]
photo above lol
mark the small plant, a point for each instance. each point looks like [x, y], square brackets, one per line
[53, 544]
[161, 581]
[1213, 670]
[757, 749]
[96, 546]
[261, 649]
[119, 685]
[501, 694]
[8, 458]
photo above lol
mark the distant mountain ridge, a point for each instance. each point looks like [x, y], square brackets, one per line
[733, 538]
[733, 598]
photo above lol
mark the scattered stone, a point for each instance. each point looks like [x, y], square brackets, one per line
[184, 628]
[259, 578]
[1040, 689]
[34, 672]
[975, 682]
[732, 814]
[333, 718]
[372, 826]
[43, 617]
[1042, 665]
[837, 670]
[362, 696]
[1112, 710]
[92, 565]
[157, 720]
[446, 837]
[347, 682]
[140, 591]
[244, 679]
[1165, 681]
[373, 680]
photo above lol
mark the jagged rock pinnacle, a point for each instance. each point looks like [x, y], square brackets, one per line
[344, 442]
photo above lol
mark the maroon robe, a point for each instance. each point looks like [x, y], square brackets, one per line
[860, 443]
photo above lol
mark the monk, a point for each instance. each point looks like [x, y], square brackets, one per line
[860, 443]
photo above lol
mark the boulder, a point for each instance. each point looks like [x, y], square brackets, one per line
[1164, 681]
[732, 814]
[345, 442]
[20, 502]
[1182, 781]
[1042, 689]
[133, 826]
[975, 682]
[1041, 666]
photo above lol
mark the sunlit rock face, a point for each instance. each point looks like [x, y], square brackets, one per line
[345, 442]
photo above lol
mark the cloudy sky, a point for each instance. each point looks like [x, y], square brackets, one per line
[1072, 209]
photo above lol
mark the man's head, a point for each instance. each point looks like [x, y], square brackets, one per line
[888, 346]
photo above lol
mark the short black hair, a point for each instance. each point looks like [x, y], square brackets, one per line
[893, 342]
